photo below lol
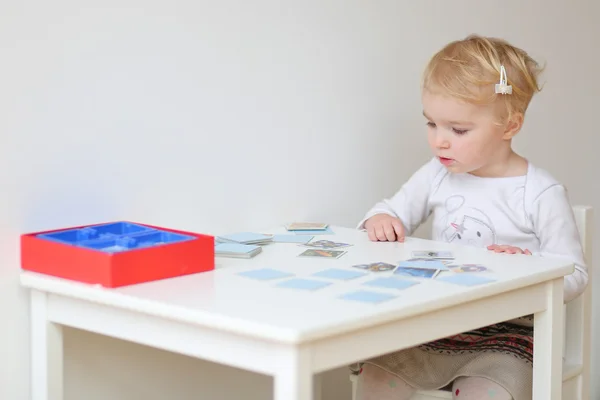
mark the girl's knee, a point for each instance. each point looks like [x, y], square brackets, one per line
[373, 373]
[375, 383]
[477, 388]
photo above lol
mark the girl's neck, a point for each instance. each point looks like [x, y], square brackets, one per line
[506, 165]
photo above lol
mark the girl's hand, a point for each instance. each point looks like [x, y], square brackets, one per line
[508, 249]
[385, 228]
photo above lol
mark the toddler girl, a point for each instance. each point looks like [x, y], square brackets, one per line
[481, 193]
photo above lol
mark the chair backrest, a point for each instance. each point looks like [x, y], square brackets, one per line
[578, 317]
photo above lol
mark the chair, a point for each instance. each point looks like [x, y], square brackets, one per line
[577, 327]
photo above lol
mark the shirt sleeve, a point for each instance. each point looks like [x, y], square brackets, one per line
[557, 231]
[411, 203]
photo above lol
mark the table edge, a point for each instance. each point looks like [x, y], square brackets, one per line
[80, 291]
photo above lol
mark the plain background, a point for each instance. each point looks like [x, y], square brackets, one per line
[217, 116]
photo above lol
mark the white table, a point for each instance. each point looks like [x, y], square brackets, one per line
[289, 334]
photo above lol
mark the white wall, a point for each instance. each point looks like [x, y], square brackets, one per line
[230, 115]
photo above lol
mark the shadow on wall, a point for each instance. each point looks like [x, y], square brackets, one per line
[424, 231]
[118, 362]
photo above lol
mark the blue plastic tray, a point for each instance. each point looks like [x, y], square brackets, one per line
[115, 237]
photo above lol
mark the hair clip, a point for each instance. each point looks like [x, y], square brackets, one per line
[503, 87]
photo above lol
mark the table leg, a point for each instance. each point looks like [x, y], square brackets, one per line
[294, 377]
[46, 352]
[547, 345]
[318, 386]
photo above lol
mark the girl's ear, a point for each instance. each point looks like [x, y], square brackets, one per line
[513, 126]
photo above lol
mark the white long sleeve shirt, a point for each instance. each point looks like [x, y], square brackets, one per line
[530, 212]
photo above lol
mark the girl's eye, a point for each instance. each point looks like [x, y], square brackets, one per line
[430, 124]
[459, 131]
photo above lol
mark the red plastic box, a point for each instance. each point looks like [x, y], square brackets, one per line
[117, 253]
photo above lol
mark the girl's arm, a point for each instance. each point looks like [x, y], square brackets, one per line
[411, 203]
[554, 224]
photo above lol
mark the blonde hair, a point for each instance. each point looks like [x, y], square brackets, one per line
[469, 69]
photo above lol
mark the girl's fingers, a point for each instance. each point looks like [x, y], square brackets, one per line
[389, 232]
[380, 233]
[372, 234]
[399, 229]
[508, 249]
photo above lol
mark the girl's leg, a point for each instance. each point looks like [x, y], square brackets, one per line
[476, 388]
[375, 383]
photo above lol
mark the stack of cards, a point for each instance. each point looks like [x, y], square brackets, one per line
[236, 250]
[309, 228]
[306, 226]
[246, 238]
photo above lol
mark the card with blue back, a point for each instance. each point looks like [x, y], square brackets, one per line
[365, 296]
[265, 274]
[303, 284]
[391, 283]
[336, 273]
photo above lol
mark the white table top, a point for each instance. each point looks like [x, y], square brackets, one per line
[223, 300]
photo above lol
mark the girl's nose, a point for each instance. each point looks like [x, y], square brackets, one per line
[441, 142]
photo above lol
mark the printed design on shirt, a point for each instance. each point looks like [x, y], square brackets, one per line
[467, 225]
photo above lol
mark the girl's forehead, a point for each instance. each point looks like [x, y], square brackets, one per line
[446, 108]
